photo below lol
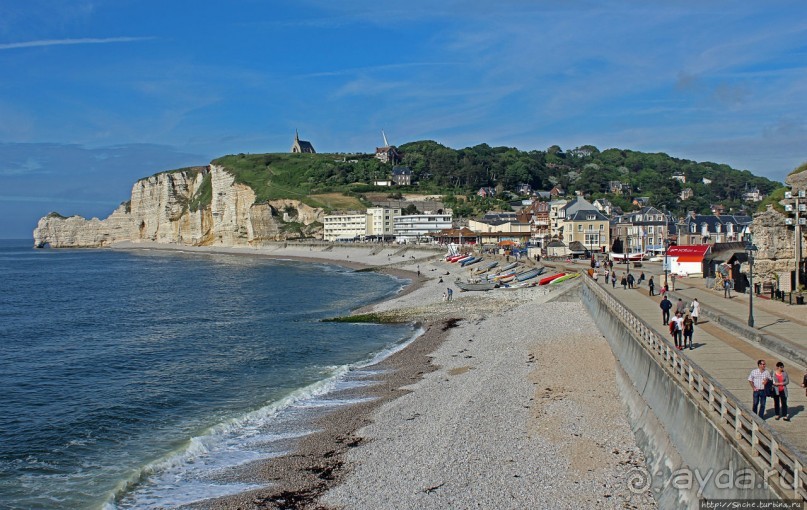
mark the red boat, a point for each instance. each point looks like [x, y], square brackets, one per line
[548, 279]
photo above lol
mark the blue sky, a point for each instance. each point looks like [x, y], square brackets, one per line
[97, 94]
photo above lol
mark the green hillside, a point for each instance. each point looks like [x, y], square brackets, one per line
[317, 179]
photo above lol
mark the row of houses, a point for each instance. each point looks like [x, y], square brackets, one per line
[575, 222]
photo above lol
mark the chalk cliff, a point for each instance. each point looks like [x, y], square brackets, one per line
[170, 208]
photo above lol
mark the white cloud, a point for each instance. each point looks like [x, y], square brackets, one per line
[63, 42]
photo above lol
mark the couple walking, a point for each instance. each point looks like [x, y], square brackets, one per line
[770, 384]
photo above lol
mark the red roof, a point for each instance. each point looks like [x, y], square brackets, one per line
[694, 253]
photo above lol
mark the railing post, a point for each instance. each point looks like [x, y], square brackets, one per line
[737, 423]
[796, 482]
[775, 456]
[711, 396]
[723, 408]
[754, 438]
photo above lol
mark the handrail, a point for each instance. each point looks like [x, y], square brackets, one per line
[772, 452]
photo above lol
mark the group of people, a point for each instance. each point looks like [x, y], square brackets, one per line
[682, 325]
[628, 281]
[773, 384]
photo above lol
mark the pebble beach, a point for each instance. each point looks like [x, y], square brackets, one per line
[507, 400]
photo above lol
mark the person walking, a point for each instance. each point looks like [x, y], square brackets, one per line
[651, 285]
[758, 379]
[689, 329]
[613, 278]
[640, 280]
[780, 382]
[680, 307]
[695, 308]
[665, 306]
[624, 281]
[727, 288]
[672, 280]
[595, 275]
[449, 294]
[677, 329]
[631, 280]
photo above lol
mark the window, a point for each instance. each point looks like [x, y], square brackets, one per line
[602, 227]
[580, 227]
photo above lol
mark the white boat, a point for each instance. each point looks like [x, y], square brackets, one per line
[633, 257]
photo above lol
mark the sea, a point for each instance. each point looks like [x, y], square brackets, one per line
[141, 379]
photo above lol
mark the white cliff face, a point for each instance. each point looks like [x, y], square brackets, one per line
[159, 211]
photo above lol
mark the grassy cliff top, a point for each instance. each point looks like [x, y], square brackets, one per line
[314, 179]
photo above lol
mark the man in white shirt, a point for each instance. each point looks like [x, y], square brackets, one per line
[758, 379]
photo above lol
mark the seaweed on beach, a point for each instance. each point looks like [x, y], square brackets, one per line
[371, 318]
[451, 323]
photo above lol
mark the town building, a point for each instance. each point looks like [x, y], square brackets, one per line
[501, 226]
[301, 146]
[381, 222]
[687, 193]
[586, 226]
[486, 192]
[417, 227]
[344, 227]
[377, 223]
[401, 175]
[642, 231]
[696, 229]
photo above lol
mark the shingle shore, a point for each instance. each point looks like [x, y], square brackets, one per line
[507, 401]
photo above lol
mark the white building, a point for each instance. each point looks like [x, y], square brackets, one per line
[377, 222]
[344, 226]
[380, 221]
[412, 227]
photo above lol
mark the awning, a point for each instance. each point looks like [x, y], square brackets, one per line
[507, 243]
[694, 253]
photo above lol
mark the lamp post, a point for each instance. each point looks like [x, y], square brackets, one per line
[750, 249]
[666, 262]
[627, 249]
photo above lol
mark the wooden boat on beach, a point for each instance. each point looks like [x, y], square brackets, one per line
[532, 273]
[476, 286]
[548, 279]
[470, 261]
[563, 278]
[460, 260]
[487, 267]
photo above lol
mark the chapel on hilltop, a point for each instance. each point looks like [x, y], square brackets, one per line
[301, 146]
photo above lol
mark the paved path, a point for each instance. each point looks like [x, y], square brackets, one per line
[727, 357]
[725, 354]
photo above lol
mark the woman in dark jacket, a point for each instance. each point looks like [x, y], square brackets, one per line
[780, 382]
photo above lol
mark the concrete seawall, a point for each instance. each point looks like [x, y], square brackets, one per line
[689, 455]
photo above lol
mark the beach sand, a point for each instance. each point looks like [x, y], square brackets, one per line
[506, 401]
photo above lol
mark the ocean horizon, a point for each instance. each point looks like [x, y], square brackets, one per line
[143, 378]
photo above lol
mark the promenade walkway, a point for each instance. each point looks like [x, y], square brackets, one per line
[731, 351]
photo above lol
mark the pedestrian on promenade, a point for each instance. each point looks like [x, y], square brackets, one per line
[449, 294]
[695, 309]
[689, 329]
[613, 278]
[727, 288]
[759, 379]
[804, 383]
[624, 282]
[677, 329]
[780, 382]
[651, 285]
[640, 280]
[607, 275]
[631, 279]
[595, 275]
[680, 307]
[665, 306]
[672, 280]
